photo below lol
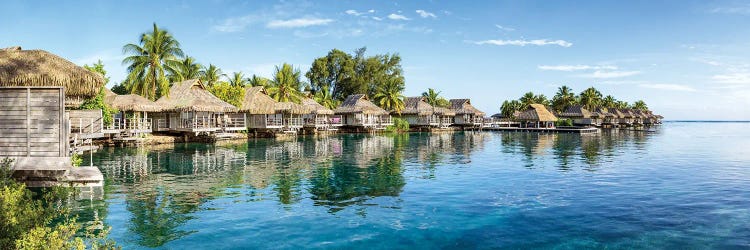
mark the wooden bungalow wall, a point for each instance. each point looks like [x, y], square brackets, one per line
[32, 122]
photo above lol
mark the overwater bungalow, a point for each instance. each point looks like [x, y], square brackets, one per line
[537, 116]
[190, 108]
[38, 68]
[133, 116]
[261, 110]
[608, 118]
[466, 114]
[582, 116]
[418, 113]
[291, 115]
[320, 117]
[640, 116]
[626, 117]
[444, 116]
[358, 112]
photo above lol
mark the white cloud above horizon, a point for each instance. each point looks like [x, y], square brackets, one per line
[425, 14]
[504, 28]
[536, 42]
[600, 74]
[298, 22]
[576, 67]
[394, 16]
[733, 78]
[235, 24]
[665, 86]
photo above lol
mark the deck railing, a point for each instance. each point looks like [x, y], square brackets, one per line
[202, 122]
[293, 122]
[86, 125]
[234, 123]
[275, 122]
[130, 124]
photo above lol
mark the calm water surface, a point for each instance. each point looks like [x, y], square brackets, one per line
[684, 185]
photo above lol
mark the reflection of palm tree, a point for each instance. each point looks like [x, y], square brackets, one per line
[155, 218]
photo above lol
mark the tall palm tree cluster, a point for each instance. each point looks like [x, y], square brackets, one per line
[590, 98]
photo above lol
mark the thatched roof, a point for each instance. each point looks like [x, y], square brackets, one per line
[359, 104]
[191, 95]
[292, 108]
[40, 68]
[641, 114]
[443, 111]
[578, 111]
[416, 106]
[604, 112]
[463, 106]
[129, 102]
[257, 102]
[537, 112]
[315, 107]
[626, 113]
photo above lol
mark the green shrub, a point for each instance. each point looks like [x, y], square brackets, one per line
[564, 123]
[97, 102]
[399, 126]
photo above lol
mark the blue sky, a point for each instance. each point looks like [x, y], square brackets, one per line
[686, 59]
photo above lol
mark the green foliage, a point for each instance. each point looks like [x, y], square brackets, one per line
[211, 75]
[237, 80]
[98, 67]
[433, 98]
[590, 98]
[508, 108]
[563, 98]
[345, 74]
[183, 70]
[97, 102]
[76, 160]
[258, 81]
[564, 123]
[228, 93]
[399, 126]
[640, 105]
[388, 96]
[325, 97]
[442, 102]
[41, 220]
[148, 61]
[286, 85]
[120, 89]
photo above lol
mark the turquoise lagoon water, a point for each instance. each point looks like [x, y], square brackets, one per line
[680, 186]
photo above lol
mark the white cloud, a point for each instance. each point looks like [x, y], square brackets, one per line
[737, 9]
[673, 87]
[733, 78]
[425, 14]
[503, 28]
[353, 13]
[394, 16]
[377, 18]
[371, 11]
[576, 67]
[537, 42]
[609, 74]
[235, 24]
[298, 23]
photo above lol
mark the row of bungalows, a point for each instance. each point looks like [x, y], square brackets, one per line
[609, 117]
[319, 117]
[421, 114]
[466, 115]
[132, 118]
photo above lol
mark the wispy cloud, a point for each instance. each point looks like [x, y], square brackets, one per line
[733, 78]
[353, 13]
[537, 42]
[742, 9]
[394, 16]
[600, 74]
[377, 18]
[671, 87]
[576, 67]
[236, 24]
[425, 14]
[298, 22]
[504, 28]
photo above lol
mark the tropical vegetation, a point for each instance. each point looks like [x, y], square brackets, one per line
[148, 63]
[97, 102]
[591, 99]
[286, 85]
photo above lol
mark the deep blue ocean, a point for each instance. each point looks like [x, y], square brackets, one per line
[682, 185]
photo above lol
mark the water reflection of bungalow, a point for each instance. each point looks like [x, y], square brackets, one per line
[190, 108]
[320, 117]
[582, 116]
[359, 113]
[133, 116]
[537, 116]
[466, 115]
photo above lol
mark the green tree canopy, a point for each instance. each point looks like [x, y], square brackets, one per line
[590, 98]
[183, 70]
[211, 74]
[148, 61]
[286, 85]
[563, 98]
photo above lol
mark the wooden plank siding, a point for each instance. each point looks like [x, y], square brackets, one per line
[31, 122]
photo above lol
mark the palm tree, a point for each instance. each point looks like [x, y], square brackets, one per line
[237, 80]
[183, 70]
[609, 101]
[622, 105]
[286, 84]
[508, 108]
[431, 96]
[257, 81]
[325, 98]
[541, 99]
[211, 74]
[388, 96]
[640, 105]
[147, 62]
[563, 98]
[591, 98]
[527, 99]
